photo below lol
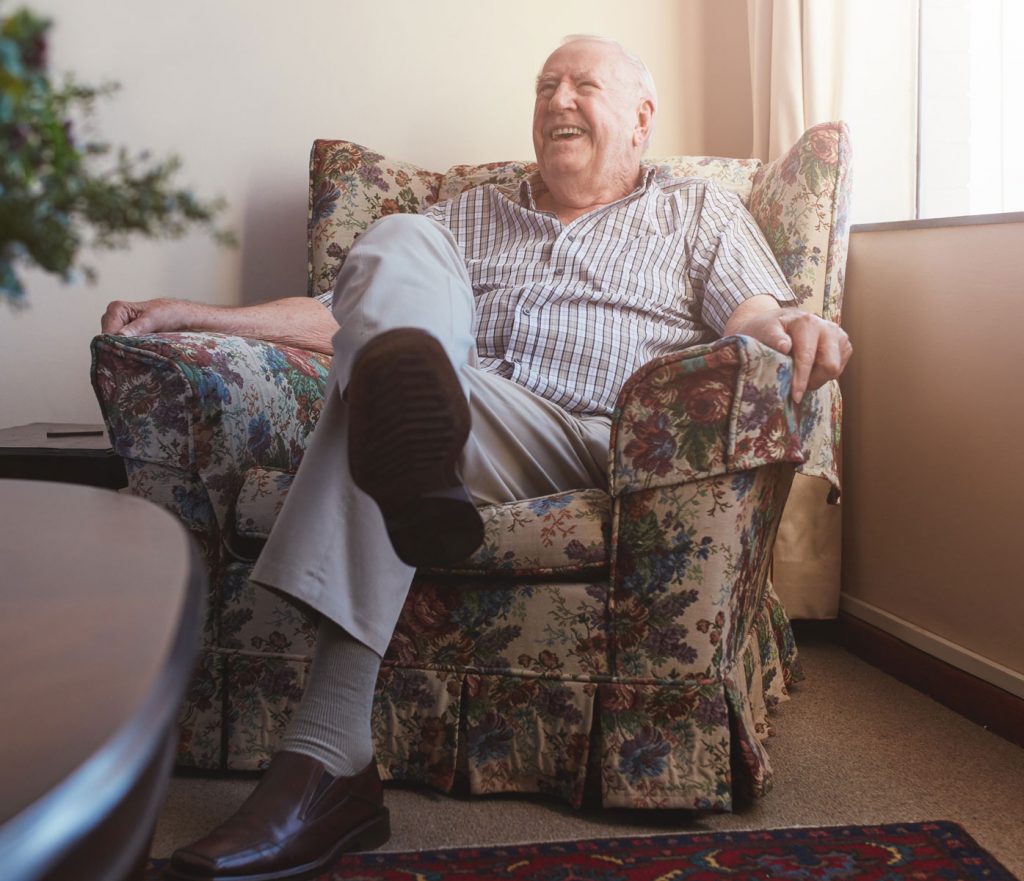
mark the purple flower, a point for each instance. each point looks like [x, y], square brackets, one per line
[578, 551]
[491, 739]
[372, 176]
[711, 712]
[324, 200]
[260, 432]
[644, 755]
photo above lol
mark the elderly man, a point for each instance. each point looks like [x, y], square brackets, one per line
[478, 351]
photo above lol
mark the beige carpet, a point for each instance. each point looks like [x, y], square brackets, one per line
[853, 746]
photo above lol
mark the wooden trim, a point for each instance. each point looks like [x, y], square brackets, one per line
[940, 222]
[988, 705]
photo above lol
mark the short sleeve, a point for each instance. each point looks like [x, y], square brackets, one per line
[731, 260]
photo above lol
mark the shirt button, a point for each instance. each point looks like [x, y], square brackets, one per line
[526, 310]
[558, 272]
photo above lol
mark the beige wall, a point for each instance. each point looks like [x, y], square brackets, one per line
[933, 529]
[240, 90]
[728, 123]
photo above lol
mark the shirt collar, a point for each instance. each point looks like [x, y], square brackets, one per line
[533, 186]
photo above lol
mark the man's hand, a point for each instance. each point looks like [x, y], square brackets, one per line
[148, 316]
[819, 348]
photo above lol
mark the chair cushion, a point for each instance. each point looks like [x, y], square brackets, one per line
[562, 534]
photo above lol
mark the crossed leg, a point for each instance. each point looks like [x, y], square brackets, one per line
[330, 550]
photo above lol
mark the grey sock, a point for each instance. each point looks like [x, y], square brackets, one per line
[332, 723]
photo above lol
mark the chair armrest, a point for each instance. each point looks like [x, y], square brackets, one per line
[801, 202]
[718, 409]
[702, 450]
[208, 404]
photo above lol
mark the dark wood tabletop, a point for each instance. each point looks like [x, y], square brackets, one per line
[61, 451]
[101, 608]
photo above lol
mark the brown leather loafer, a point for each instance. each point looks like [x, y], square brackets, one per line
[298, 821]
[408, 423]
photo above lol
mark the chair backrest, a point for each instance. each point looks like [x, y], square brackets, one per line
[800, 201]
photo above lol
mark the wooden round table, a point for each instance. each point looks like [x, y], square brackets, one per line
[102, 598]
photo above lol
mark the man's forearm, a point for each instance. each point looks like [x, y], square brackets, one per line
[749, 310]
[295, 321]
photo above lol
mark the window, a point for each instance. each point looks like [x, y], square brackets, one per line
[971, 107]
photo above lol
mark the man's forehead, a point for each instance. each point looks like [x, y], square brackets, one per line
[583, 58]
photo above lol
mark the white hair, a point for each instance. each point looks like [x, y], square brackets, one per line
[644, 81]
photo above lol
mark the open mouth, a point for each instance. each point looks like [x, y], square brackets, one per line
[566, 133]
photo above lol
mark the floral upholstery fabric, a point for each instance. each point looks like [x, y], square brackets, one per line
[627, 640]
[735, 175]
[350, 187]
[560, 534]
[801, 201]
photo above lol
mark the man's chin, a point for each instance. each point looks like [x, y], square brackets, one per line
[564, 162]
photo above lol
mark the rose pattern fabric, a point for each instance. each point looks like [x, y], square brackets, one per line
[735, 175]
[350, 187]
[629, 638]
[801, 201]
[721, 407]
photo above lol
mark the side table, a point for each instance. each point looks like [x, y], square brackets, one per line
[102, 606]
[61, 451]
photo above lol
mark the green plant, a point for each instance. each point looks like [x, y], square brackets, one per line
[59, 195]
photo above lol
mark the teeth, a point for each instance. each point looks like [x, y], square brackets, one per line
[566, 132]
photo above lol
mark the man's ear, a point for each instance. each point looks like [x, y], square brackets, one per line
[644, 119]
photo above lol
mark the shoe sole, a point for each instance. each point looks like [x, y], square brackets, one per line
[374, 833]
[408, 423]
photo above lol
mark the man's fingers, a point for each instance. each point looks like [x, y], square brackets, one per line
[830, 359]
[804, 332]
[114, 318]
[819, 348]
[820, 352]
[129, 319]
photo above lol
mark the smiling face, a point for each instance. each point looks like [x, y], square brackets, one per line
[590, 123]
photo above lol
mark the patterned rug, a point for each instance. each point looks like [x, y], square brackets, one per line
[933, 851]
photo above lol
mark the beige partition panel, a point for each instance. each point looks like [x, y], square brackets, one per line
[933, 502]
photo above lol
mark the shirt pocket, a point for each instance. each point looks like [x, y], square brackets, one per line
[642, 273]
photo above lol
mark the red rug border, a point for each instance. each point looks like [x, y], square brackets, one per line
[960, 844]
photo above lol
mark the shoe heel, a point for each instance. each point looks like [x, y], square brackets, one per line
[376, 834]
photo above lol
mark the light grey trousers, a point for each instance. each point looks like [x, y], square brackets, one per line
[329, 547]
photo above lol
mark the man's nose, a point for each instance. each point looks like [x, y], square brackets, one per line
[563, 96]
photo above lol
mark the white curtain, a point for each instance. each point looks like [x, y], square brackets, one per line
[797, 69]
[813, 61]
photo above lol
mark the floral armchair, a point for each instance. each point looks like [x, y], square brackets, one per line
[629, 639]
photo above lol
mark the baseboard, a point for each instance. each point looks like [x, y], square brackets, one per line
[996, 709]
[935, 645]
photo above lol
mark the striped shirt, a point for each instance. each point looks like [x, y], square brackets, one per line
[571, 311]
